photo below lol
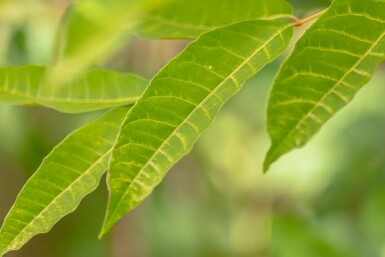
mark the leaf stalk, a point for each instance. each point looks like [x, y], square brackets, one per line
[299, 22]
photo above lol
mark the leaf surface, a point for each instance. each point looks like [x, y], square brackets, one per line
[329, 65]
[93, 90]
[189, 19]
[181, 102]
[70, 172]
[91, 31]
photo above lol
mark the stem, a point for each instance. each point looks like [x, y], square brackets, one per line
[298, 22]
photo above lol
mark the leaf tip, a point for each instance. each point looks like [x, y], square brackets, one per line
[106, 227]
[266, 167]
[102, 233]
[109, 221]
[270, 158]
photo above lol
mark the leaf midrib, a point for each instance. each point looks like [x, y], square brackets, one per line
[17, 93]
[247, 60]
[174, 23]
[35, 98]
[80, 101]
[201, 27]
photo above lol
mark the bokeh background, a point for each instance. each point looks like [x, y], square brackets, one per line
[326, 200]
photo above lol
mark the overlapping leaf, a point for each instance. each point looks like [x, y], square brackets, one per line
[181, 102]
[93, 90]
[330, 63]
[189, 19]
[70, 172]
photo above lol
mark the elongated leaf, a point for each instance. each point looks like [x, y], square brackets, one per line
[70, 172]
[94, 90]
[189, 19]
[181, 102]
[331, 62]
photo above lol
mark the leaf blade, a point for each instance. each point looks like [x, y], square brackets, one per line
[47, 197]
[155, 136]
[339, 60]
[91, 30]
[92, 90]
[189, 19]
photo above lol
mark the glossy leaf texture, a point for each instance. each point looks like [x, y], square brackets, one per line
[92, 90]
[181, 102]
[70, 172]
[329, 65]
[189, 19]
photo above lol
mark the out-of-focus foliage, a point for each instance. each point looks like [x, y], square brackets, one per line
[301, 7]
[89, 32]
[324, 200]
[27, 30]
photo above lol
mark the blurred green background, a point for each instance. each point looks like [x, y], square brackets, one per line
[327, 199]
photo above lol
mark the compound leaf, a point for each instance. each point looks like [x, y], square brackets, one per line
[189, 19]
[70, 172]
[93, 90]
[181, 102]
[329, 65]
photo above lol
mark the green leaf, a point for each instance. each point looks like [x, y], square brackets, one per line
[70, 172]
[189, 19]
[92, 30]
[330, 63]
[181, 102]
[93, 90]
